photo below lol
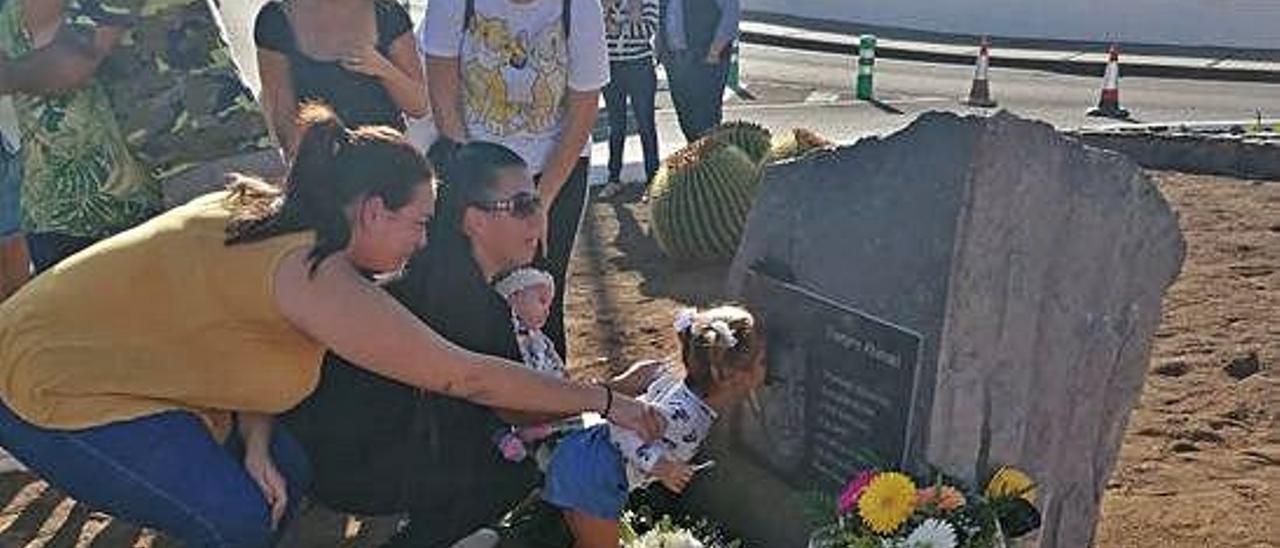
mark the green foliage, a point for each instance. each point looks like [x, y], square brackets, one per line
[700, 199]
[819, 507]
[751, 138]
[649, 509]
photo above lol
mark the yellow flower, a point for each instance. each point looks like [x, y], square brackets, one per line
[1011, 482]
[887, 502]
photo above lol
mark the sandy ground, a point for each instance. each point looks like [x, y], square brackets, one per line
[1200, 464]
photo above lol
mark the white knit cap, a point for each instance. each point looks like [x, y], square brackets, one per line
[522, 278]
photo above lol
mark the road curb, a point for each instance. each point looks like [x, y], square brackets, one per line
[1083, 67]
[1242, 156]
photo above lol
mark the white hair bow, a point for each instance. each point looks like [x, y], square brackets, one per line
[684, 319]
[722, 328]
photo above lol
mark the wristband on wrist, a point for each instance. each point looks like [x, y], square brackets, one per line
[608, 400]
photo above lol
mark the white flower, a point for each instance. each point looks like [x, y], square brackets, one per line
[933, 533]
[667, 539]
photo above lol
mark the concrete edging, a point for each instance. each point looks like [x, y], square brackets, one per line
[1228, 155]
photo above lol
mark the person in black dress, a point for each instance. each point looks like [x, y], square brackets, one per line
[358, 56]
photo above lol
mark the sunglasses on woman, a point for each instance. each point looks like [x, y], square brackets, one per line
[521, 206]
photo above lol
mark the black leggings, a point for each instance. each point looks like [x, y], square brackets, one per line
[562, 224]
[638, 81]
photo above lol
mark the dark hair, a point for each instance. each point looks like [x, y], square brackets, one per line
[333, 168]
[708, 355]
[469, 175]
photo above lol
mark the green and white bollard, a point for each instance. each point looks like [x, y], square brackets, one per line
[866, 63]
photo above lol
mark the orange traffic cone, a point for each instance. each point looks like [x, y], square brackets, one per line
[980, 93]
[1109, 103]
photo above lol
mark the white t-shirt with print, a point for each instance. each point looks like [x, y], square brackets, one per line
[689, 421]
[517, 68]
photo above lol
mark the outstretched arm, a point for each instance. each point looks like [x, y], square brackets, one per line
[366, 326]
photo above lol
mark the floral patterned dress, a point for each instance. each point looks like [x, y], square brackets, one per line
[79, 178]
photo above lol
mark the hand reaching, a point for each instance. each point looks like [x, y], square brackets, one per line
[675, 476]
[639, 417]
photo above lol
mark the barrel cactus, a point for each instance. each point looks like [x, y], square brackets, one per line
[796, 143]
[752, 138]
[700, 199]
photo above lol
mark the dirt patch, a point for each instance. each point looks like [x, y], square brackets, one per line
[1200, 465]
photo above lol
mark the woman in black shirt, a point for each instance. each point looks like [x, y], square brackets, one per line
[358, 56]
[377, 446]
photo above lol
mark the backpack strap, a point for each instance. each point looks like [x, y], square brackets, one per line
[566, 16]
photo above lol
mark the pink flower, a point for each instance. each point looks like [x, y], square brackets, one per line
[853, 491]
[927, 496]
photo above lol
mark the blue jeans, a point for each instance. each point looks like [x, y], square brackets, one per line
[638, 81]
[162, 471]
[47, 249]
[697, 89]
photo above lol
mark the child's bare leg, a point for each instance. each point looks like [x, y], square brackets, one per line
[592, 532]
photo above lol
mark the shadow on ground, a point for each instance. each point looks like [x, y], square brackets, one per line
[36, 515]
[696, 284]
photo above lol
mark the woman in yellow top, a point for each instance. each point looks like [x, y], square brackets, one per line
[124, 368]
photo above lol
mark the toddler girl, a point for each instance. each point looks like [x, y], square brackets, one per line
[592, 470]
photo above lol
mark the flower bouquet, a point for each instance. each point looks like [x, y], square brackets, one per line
[890, 509]
[648, 524]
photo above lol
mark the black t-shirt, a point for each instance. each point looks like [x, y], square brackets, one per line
[358, 99]
[378, 446]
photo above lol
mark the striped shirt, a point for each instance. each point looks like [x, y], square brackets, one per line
[630, 39]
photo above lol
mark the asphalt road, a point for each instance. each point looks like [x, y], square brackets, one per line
[815, 91]
[1058, 99]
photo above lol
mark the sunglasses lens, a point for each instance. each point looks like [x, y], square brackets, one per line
[525, 206]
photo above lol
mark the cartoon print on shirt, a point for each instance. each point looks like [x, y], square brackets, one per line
[490, 48]
[514, 83]
[550, 60]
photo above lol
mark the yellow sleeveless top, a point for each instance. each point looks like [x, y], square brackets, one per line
[161, 317]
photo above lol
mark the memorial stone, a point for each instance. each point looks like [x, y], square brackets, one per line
[967, 292]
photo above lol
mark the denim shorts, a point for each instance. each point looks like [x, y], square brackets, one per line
[587, 474]
[10, 182]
